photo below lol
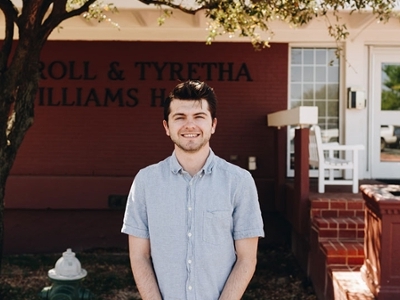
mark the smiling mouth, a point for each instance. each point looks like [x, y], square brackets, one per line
[191, 135]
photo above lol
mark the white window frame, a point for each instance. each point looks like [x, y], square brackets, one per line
[341, 94]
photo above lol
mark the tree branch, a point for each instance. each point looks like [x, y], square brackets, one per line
[79, 11]
[59, 7]
[55, 17]
[60, 14]
[191, 11]
[10, 13]
[44, 9]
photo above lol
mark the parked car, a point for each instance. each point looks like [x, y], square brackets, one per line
[390, 136]
[329, 135]
[397, 134]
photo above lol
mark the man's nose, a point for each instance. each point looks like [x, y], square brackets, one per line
[190, 123]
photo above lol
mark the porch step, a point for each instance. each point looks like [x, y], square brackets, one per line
[327, 254]
[337, 246]
[348, 285]
[345, 228]
[347, 253]
[336, 206]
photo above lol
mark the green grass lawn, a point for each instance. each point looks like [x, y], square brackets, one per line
[278, 275]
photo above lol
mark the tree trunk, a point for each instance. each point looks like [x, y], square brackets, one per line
[18, 87]
[23, 111]
[19, 75]
[2, 187]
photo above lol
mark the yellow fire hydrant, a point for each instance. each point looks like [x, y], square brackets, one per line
[66, 280]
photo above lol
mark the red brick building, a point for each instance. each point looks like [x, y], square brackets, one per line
[99, 116]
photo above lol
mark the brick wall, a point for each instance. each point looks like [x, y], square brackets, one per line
[79, 132]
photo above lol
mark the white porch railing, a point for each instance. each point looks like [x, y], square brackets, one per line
[301, 116]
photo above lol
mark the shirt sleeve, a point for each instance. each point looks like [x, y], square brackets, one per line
[247, 216]
[135, 219]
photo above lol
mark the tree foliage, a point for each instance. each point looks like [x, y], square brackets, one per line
[96, 11]
[249, 18]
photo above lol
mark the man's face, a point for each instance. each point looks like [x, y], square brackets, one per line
[190, 124]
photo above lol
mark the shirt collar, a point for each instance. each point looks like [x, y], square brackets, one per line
[207, 168]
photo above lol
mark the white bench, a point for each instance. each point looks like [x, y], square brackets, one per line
[322, 157]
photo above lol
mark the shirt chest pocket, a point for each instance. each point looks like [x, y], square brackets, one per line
[217, 227]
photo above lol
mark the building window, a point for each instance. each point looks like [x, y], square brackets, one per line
[314, 81]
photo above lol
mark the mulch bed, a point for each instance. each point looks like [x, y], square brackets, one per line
[278, 276]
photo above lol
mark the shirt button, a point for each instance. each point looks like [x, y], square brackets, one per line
[190, 287]
[189, 208]
[189, 234]
[189, 261]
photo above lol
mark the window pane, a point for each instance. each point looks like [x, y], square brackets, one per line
[320, 75]
[321, 108]
[390, 95]
[333, 74]
[333, 59]
[320, 58]
[296, 56]
[308, 91]
[295, 91]
[333, 108]
[295, 74]
[308, 74]
[308, 56]
[320, 91]
[321, 122]
[333, 91]
[308, 103]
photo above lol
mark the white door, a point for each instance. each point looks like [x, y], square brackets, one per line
[384, 130]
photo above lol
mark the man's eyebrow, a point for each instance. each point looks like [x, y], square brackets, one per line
[178, 114]
[183, 114]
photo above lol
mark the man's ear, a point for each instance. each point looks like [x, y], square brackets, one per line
[165, 124]
[214, 125]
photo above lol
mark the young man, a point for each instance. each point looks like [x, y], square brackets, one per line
[193, 219]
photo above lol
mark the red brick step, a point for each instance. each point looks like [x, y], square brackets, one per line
[340, 252]
[339, 228]
[336, 207]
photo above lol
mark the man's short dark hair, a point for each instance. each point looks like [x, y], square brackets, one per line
[192, 90]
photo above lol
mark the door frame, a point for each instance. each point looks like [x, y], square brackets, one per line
[378, 169]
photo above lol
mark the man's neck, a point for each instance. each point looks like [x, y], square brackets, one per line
[192, 162]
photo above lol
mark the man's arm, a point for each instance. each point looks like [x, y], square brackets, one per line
[142, 268]
[243, 270]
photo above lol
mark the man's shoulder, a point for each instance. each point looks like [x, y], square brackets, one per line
[155, 168]
[229, 168]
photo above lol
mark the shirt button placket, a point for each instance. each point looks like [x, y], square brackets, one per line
[190, 226]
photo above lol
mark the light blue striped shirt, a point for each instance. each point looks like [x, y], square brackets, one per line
[192, 223]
